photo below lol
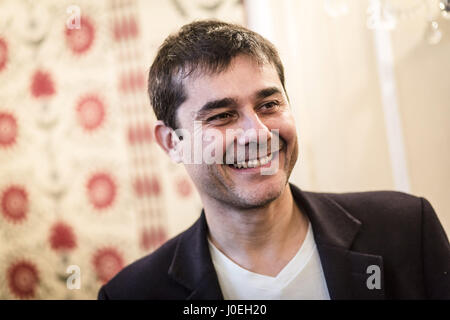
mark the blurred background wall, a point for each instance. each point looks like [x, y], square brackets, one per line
[82, 182]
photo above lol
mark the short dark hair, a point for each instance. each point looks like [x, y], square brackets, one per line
[206, 46]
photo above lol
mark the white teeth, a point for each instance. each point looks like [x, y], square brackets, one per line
[240, 165]
[254, 163]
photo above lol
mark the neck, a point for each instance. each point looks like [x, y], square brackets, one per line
[261, 240]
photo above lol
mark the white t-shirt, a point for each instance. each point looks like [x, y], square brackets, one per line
[301, 279]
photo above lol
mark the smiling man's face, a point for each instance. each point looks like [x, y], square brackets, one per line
[246, 96]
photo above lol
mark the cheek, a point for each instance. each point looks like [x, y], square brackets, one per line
[197, 173]
[289, 132]
[285, 124]
[214, 145]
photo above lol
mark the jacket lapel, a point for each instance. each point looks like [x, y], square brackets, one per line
[192, 265]
[334, 232]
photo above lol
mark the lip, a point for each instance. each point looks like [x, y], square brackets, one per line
[254, 170]
[247, 159]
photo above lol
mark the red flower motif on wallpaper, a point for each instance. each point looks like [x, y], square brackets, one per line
[132, 135]
[101, 190]
[140, 133]
[161, 236]
[91, 112]
[131, 81]
[8, 129]
[146, 240]
[152, 238]
[23, 279]
[42, 84]
[80, 40]
[14, 203]
[183, 187]
[3, 54]
[146, 186]
[125, 28]
[62, 237]
[107, 263]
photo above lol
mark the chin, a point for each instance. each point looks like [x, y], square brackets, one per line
[259, 196]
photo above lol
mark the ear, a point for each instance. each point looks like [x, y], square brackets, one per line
[168, 140]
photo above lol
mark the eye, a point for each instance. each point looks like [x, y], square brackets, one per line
[220, 116]
[270, 106]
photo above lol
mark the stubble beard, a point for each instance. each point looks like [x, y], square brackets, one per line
[226, 192]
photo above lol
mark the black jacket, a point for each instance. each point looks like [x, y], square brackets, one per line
[398, 232]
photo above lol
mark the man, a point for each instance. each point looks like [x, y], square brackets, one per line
[220, 87]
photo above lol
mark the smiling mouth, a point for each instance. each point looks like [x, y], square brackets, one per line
[255, 163]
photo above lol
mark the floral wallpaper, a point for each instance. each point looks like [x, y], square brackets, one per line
[84, 190]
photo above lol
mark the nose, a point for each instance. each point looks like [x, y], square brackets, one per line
[254, 130]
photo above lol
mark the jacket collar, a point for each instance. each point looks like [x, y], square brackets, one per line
[192, 264]
[334, 232]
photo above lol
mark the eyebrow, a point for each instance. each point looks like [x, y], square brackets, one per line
[216, 104]
[229, 102]
[267, 92]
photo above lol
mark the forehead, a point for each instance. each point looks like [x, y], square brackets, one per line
[241, 80]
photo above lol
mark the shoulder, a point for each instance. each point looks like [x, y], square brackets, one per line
[387, 218]
[400, 228]
[146, 278]
[374, 205]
